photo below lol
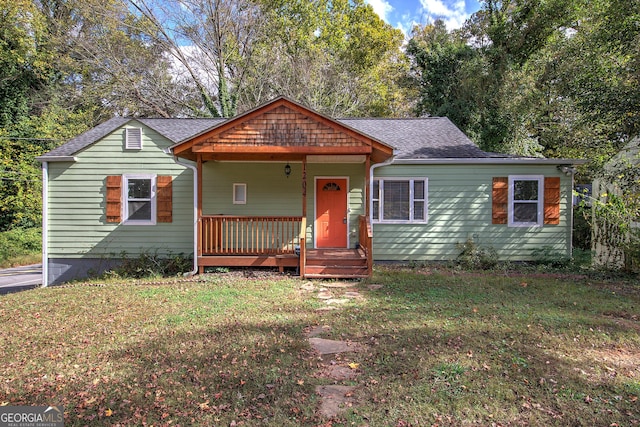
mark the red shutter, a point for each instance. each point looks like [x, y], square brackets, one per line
[552, 200]
[500, 200]
[114, 198]
[165, 199]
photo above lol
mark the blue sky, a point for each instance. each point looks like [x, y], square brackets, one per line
[404, 14]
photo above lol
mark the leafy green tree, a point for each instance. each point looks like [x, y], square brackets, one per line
[441, 61]
[24, 68]
[338, 57]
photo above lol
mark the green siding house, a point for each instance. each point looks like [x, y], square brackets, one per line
[284, 186]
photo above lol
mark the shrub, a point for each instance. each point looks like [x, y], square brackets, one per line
[152, 265]
[473, 256]
[582, 228]
[549, 257]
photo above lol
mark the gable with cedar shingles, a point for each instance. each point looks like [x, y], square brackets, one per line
[282, 127]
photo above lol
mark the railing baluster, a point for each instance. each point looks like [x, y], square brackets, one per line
[249, 235]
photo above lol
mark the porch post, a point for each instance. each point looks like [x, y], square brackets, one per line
[304, 186]
[367, 181]
[303, 231]
[367, 217]
[199, 208]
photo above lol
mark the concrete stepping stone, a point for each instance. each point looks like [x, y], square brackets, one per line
[324, 294]
[324, 346]
[318, 330]
[334, 399]
[308, 287]
[338, 285]
[338, 373]
[352, 295]
[374, 287]
[336, 301]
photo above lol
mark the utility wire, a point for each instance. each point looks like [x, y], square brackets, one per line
[18, 179]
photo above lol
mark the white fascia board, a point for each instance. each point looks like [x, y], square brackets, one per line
[490, 161]
[57, 159]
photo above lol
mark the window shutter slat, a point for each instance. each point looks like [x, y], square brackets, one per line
[552, 200]
[165, 199]
[500, 200]
[114, 198]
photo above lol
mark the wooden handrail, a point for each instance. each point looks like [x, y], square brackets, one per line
[302, 239]
[249, 235]
[366, 240]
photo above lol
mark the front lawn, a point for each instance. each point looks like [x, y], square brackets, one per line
[440, 347]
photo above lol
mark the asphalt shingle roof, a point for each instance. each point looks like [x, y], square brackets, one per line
[84, 140]
[417, 138]
[176, 130]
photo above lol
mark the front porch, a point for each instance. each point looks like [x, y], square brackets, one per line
[255, 241]
[283, 186]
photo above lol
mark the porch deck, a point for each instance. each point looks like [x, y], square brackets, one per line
[320, 263]
[227, 241]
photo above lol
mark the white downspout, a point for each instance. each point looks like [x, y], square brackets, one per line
[45, 221]
[571, 216]
[195, 214]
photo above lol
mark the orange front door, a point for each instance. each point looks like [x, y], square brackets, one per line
[331, 213]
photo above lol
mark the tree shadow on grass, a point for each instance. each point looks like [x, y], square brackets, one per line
[456, 351]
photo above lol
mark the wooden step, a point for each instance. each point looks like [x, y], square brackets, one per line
[336, 271]
[336, 264]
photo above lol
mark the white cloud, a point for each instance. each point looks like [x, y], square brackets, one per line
[382, 8]
[453, 14]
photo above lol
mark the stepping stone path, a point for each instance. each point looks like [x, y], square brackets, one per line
[334, 397]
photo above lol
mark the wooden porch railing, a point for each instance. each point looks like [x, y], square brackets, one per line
[365, 236]
[250, 235]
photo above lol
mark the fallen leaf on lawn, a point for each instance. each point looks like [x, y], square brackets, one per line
[354, 365]
[204, 406]
[300, 382]
[108, 413]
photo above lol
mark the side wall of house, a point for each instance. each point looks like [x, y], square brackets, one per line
[80, 240]
[460, 208]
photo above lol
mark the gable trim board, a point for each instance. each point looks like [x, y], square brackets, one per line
[83, 199]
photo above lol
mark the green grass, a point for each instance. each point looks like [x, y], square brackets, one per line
[443, 347]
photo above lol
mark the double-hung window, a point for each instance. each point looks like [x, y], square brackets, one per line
[526, 200]
[399, 200]
[140, 199]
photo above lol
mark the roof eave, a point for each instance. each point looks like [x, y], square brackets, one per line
[491, 161]
[43, 159]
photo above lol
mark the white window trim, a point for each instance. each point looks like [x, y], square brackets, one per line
[539, 202]
[238, 201]
[125, 198]
[133, 138]
[411, 220]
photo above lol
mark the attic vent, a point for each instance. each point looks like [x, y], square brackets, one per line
[133, 138]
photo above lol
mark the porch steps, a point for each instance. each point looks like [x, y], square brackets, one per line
[336, 264]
